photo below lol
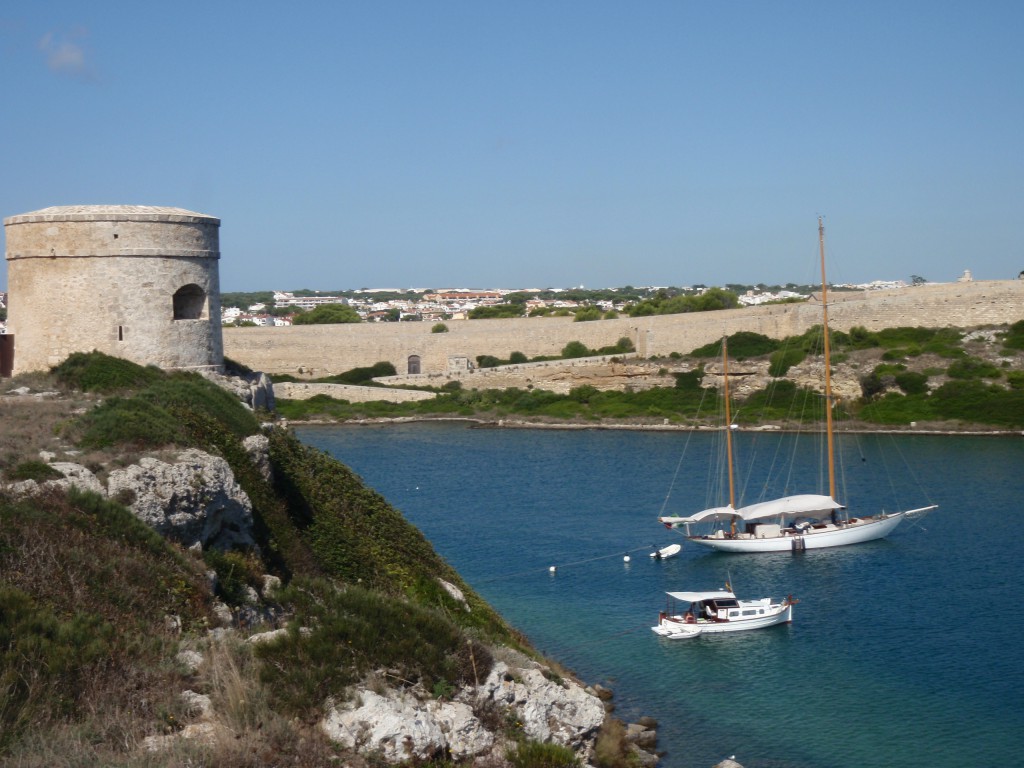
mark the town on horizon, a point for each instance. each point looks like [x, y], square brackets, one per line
[435, 305]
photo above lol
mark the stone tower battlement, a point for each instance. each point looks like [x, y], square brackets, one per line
[133, 281]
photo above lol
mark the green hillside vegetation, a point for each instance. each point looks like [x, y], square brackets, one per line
[665, 304]
[961, 390]
[328, 314]
[86, 647]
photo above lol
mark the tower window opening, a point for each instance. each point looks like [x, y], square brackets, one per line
[120, 333]
[189, 302]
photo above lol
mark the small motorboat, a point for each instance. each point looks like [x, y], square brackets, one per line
[720, 611]
[666, 552]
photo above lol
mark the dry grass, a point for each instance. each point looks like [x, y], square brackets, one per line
[30, 425]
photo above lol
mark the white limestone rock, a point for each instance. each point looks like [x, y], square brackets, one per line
[398, 727]
[267, 637]
[258, 448]
[196, 704]
[193, 500]
[563, 713]
[222, 614]
[455, 593]
[75, 476]
[402, 727]
[205, 732]
[190, 660]
[255, 389]
[271, 586]
[464, 733]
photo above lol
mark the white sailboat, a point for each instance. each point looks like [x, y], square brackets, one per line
[791, 523]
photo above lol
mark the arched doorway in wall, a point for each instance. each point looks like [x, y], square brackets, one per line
[414, 364]
[189, 302]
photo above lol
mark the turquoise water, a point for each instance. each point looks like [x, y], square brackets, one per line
[903, 652]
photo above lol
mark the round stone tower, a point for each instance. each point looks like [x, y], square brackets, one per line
[133, 281]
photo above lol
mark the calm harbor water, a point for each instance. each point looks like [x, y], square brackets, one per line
[903, 652]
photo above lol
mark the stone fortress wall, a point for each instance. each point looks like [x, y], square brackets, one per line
[314, 351]
[137, 282]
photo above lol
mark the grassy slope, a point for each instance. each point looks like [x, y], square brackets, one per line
[85, 656]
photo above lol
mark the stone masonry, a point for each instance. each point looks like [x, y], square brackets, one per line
[313, 351]
[137, 282]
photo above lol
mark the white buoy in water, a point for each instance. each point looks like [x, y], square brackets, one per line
[625, 559]
[552, 569]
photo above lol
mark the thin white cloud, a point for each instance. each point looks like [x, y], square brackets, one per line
[64, 55]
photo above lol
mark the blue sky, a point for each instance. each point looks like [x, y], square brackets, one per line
[533, 144]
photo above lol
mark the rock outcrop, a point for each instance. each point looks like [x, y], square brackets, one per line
[406, 724]
[255, 389]
[194, 499]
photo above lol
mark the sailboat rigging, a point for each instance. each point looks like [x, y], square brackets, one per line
[790, 523]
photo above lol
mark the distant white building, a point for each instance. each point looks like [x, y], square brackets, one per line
[286, 299]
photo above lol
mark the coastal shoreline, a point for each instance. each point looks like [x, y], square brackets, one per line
[484, 423]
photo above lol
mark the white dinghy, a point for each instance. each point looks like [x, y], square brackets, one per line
[666, 552]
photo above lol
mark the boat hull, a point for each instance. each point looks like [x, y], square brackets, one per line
[857, 532]
[675, 627]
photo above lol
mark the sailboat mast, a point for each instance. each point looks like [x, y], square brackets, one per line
[828, 365]
[728, 423]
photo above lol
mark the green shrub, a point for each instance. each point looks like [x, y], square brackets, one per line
[742, 345]
[1014, 338]
[783, 359]
[44, 661]
[175, 409]
[862, 338]
[352, 631]
[489, 311]
[129, 421]
[911, 382]
[712, 299]
[575, 349]
[623, 345]
[34, 469]
[235, 571]
[363, 375]
[488, 361]
[97, 372]
[80, 622]
[328, 314]
[973, 368]
[439, 328]
[587, 314]
[871, 385]
[895, 408]
[517, 357]
[534, 754]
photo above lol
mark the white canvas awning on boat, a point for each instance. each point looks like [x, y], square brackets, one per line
[803, 504]
[706, 514]
[693, 597]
